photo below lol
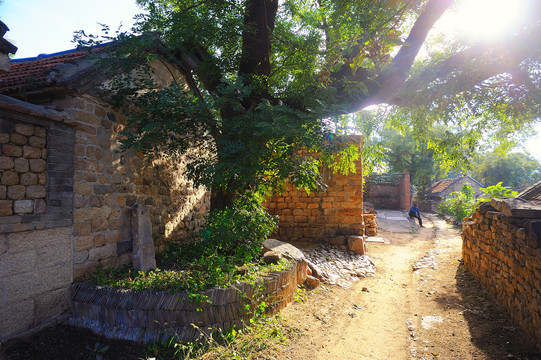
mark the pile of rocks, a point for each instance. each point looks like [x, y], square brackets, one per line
[333, 265]
[327, 263]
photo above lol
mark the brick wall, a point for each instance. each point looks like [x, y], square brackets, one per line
[318, 216]
[504, 254]
[389, 191]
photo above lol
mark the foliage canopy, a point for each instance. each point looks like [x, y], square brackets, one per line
[265, 76]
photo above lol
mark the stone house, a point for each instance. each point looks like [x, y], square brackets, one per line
[66, 193]
[442, 189]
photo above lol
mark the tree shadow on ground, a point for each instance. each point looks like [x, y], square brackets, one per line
[491, 329]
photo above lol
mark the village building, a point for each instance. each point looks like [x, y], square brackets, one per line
[68, 194]
[442, 189]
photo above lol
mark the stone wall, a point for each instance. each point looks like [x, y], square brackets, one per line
[66, 194]
[317, 216]
[35, 273]
[389, 191]
[107, 183]
[503, 252]
[149, 316]
[36, 167]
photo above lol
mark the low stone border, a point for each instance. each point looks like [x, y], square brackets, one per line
[149, 316]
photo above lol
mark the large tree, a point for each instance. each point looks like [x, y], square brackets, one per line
[265, 77]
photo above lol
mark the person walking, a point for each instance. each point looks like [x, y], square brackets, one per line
[414, 213]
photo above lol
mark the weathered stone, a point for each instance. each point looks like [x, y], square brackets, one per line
[40, 206]
[50, 304]
[38, 165]
[30, 152]
[356, 244]
[12, 150]
[83, 243]
[28, 179]
[16, 192]
[37, 142]
[18, 139]
[287, 250]
[311, 282]
[272, 257]
[23, 206]
[6, 163]
[31, 240]
[81, 228]
[98, 225]
[16, 316]
[83, 189]
[9, 178]
[21, 165]
[143, 246]
[36, 192]
[53, 255]
[103, 252]
[314, 269]
[515, 207]
[23, 129]
[6, 207]
[4, 138]
[12, 264]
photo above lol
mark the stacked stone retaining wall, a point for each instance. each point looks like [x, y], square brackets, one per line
[504, 254]
[149, 316]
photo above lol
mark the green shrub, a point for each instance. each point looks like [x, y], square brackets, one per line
[463, 204]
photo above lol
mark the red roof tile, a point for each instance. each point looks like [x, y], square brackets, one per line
[33, 72]
[440, 186]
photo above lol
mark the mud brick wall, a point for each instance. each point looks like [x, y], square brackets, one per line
[317, 216]
[107, 183]
[389, 191]
[505, 258]
[122, 314]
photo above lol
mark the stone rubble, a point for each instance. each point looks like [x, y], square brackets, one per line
[339, 267]
[427, 261]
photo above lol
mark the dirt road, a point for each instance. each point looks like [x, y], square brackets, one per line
[420, 304]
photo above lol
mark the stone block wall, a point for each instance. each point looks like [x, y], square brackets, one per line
[317, 216]
[35, 273]
[108, 183]
[123, 314]
[504, 254]
[66, 194]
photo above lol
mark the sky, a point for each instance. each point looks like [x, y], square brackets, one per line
[47, 26]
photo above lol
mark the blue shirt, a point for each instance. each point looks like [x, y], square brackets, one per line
[415, 211]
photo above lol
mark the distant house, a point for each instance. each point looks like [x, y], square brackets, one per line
[532, 194]
[443, 188]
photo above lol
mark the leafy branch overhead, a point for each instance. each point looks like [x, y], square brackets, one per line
[261, 78]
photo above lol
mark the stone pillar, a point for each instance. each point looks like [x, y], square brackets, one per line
[143, 246]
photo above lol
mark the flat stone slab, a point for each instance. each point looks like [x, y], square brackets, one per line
[519, 208]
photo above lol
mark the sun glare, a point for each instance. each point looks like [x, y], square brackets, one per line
[486, 19]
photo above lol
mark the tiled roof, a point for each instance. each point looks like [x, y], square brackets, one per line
[441, 185]
[34, 72]
[533, 193]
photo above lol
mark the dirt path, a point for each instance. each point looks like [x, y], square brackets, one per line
[434, 312]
